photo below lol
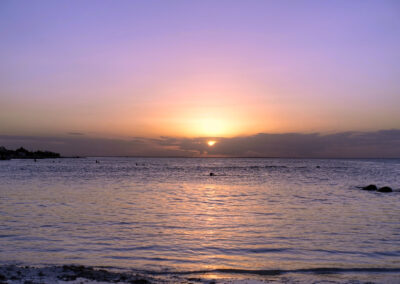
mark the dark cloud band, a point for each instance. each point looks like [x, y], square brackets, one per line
[378, 144]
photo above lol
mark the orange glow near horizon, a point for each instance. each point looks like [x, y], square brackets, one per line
[164, 73]
[211, 143]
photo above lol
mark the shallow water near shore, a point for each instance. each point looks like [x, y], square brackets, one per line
[270, 219]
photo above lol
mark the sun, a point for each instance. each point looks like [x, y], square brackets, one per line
[211, 143]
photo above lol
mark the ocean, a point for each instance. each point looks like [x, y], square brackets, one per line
[279, 220]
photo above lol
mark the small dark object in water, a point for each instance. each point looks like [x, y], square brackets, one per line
[67, 277]
[212, 174]
[370, 187]
[317, 167]
[97, 162]
[34, 160]
[195, 279]
[385, 189]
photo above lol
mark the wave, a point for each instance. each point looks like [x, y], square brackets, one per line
[321, 270]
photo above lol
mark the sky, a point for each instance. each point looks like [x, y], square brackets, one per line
[161, 78]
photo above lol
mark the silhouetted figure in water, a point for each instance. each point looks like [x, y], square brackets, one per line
[212, 174]
[97, 162]
[34, 160]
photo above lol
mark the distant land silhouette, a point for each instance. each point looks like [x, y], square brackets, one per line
[22, 153]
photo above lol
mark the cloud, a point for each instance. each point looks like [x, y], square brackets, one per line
[85, 146]
[378, 144]
[346, 144]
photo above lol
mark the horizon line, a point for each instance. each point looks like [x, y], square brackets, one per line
[233, 157]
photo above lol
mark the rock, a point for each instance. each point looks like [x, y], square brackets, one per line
[370, 187]
[212, 174]
[385, 189]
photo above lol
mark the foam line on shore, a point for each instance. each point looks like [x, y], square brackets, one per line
[322, 270]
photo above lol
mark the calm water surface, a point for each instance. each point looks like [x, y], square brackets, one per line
[158, 214]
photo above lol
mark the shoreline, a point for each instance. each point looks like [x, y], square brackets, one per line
[74, 274]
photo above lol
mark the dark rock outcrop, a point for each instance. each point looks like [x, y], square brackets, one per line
[371, 187]
[385, 189]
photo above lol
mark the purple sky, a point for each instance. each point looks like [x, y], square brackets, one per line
[195, 69]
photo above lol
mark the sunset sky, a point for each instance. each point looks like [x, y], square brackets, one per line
[160, 77]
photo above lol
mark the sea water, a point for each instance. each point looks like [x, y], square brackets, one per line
[168, 215]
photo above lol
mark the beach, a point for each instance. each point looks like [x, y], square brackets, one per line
[74, 274]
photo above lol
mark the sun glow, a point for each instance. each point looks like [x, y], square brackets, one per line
[211, 143]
